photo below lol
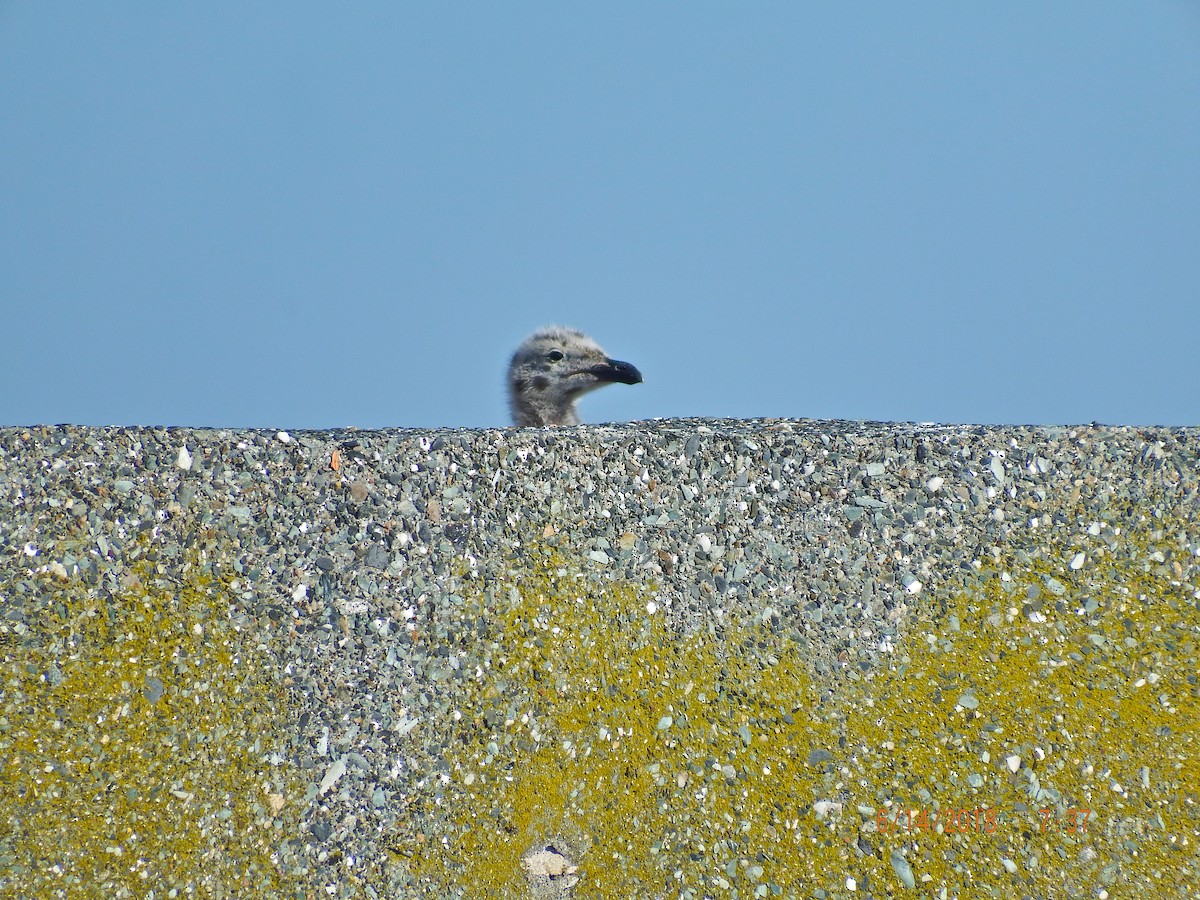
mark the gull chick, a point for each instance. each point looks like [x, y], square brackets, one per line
[552, 369]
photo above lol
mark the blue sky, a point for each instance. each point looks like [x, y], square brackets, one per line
[290, 215]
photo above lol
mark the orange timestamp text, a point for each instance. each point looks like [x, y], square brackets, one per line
[980, 820]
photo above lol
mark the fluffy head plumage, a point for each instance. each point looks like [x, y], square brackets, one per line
[552, 369]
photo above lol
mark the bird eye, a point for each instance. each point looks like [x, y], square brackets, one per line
[554, 355]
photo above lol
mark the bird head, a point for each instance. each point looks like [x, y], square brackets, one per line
[553, 368]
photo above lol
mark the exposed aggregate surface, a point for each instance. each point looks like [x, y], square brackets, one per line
[339, 605]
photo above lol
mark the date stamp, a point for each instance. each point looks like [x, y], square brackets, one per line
[980, 820]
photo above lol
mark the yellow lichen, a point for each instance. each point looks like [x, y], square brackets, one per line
[137, 748]
[1061, 708]
[1037, 734]
[681, 764]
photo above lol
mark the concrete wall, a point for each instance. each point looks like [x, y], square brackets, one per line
[678, 659]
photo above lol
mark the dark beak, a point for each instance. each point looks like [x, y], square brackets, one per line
[615, 370]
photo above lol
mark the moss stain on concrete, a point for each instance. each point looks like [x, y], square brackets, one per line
[672, 762]
[141, 744]
[1059, 706]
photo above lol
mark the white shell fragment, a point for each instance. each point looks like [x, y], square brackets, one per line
[903, 870]
[550, 869]
[549, 863]
[335, 771]
[405, 725]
